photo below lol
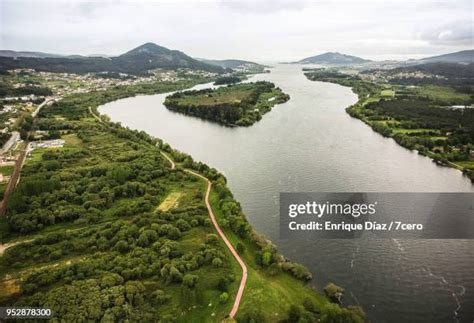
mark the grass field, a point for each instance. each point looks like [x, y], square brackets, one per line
[465, 164]
[221, 96]
[387, 93]
[7, 170]
[443, 94]
[419, 130]
[71, 139]
[170, 201]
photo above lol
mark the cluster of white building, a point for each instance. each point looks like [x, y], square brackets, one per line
[54, 143]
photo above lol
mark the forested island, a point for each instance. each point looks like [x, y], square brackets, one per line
[428, 107]
[233, 105]
[103, 229]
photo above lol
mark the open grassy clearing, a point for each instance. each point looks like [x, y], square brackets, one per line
[221, 96]
[421, 131]
[170, 201]
[443, 94]
[7, 170]
[387, 93]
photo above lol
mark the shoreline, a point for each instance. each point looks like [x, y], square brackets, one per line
[287, 284]
[350, 111]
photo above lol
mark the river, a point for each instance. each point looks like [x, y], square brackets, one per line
[311, 144]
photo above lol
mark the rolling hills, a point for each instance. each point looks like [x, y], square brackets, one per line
[465, 56]
[233, 63]
[333, 58]
[139, 60]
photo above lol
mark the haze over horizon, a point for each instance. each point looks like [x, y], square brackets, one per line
[261, 31]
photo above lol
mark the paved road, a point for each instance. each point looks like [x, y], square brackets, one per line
[15, 177]
[47, 100]
[12, 182]
[243, 281]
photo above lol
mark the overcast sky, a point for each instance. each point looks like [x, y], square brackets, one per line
[277, 30]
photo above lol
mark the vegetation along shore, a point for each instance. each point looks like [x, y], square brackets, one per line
[427, 107]
[234, 105]
[102, 228]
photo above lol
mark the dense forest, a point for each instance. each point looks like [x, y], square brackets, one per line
[7, 90]
[4, 138]
[227, 80]
[233, 105]
[93, 234]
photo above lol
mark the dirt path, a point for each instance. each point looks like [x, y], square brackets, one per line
[221, 233]
[96, 116]
[243, 281]
[173, 165]
[5, 246]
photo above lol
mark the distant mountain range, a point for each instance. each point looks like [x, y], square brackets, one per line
[465, 56]
[136, 61]
[232, 63]
[333, 58]
[152, 56]
[12, 53]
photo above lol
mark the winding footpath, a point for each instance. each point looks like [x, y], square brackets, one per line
[243, 281]
[221, 233]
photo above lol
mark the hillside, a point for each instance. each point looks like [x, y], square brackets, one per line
[465, 56]
[333, 58]
[12, 53]
[454, 75]
[230, 63]
[448, 70]
[136, 61]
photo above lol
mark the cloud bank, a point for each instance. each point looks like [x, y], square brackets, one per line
[257, 30]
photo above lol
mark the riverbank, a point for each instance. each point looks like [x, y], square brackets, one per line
[99, 230]
[414, 121]
[316, 117]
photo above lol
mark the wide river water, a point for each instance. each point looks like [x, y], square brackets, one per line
[311, 144]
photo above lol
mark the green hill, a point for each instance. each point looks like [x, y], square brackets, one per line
[235, 64]
[136, 61]
[333, 58]
[465, 56]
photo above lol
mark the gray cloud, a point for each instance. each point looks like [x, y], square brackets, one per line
[458, 33]
[256, 30]
[263, 6]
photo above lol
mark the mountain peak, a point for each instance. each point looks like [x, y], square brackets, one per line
[333, 58]
[150, 56]
[147, 48]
